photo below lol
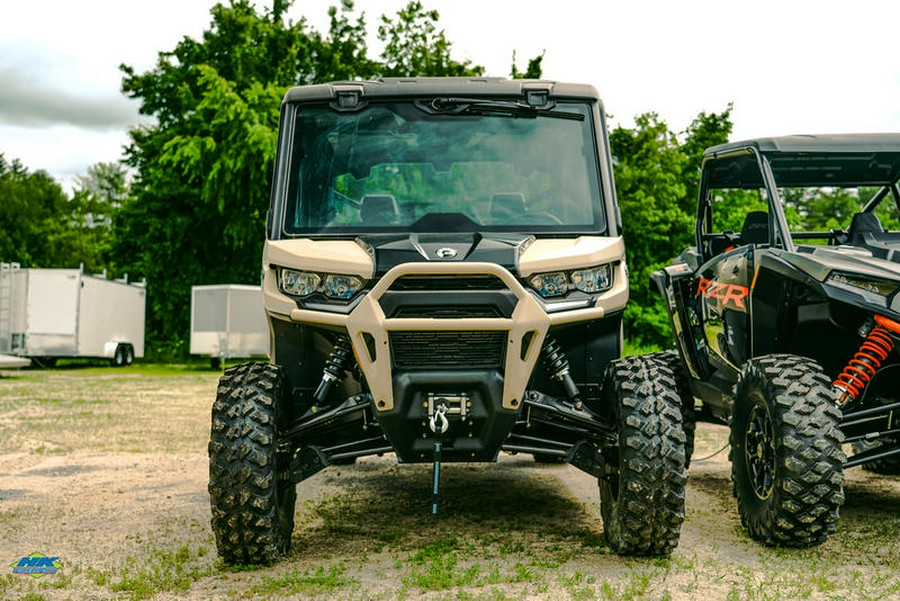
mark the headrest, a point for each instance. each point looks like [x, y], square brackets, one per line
[756, 228]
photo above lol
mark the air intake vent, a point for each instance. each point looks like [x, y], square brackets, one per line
[449, 282]
[447, 312]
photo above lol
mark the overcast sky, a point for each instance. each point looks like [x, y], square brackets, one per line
[788, 66]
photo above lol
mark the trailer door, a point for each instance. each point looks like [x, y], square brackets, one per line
[52, 312]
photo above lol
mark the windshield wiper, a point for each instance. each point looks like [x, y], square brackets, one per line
[480, 106]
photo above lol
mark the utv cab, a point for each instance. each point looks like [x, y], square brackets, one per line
[444, 280]
[786, 317]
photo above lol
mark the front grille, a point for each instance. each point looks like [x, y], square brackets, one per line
[447, 312]
[448, 350]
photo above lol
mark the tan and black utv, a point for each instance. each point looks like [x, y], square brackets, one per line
[444, 279]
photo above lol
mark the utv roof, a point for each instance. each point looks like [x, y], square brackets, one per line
[823, 160]
[418, 87]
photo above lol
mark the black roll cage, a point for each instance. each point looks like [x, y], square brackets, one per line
[778, 226]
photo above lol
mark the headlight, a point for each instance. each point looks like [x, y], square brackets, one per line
[299, 283]
[557, 283]
[595, 279]
[341, 286]
[550, 284]
[332, 285]
[873, 291]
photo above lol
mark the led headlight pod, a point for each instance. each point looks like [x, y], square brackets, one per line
[557, 283]
[595, 279]
[550, 284]
[341, 286]
[305, 283]
[299, 283]
[874, 291]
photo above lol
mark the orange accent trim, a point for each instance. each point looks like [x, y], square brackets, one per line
[888, 324]
[755, 275]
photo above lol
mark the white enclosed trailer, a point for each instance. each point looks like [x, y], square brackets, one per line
[47, 314]
[228, 321]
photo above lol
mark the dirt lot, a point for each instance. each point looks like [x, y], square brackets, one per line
[106, 470]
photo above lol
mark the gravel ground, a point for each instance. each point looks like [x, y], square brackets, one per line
[107, 470]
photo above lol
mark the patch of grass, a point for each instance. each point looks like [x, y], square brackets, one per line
[578, 585]
[6, 583]
[435, 567]
[161, 565]
[391, 536]
[494, 594]
[58, 406]
[163, 570]
[311, 581]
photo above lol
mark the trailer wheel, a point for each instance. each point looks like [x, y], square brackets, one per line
[642, 489]
[786, 457]
[252, 497]
[129, 355]
[118, 358]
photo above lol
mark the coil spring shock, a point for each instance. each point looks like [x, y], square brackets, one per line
[335, 366]
[867, 360]
[557, 365]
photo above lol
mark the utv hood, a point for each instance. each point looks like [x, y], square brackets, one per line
[390, 251]
[819, 262]
[837, 268]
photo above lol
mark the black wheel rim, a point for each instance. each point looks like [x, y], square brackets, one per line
[759, 452]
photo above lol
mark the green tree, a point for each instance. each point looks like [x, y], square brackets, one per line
[532, 71]
[707, 129]
[43, 227]
[198, 200]
[414, 46]
[657, 177]
[96, 200]
[203, 170]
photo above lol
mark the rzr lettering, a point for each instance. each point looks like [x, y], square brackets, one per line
[727, 293]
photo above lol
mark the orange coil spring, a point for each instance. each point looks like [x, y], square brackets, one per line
[859, 371]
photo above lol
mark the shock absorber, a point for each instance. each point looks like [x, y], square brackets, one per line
[335, 366]
[874, 350]
[557, 365]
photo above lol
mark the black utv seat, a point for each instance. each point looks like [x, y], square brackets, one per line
[861, 224]
[378, 209]
[756, 228]
[507, 207]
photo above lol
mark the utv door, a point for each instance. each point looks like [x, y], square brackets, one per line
[722, 288]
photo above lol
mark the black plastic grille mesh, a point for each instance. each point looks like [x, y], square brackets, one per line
[443, 350]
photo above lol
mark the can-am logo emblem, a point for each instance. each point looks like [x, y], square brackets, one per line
[445, 253]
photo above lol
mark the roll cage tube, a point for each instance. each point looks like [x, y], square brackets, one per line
[775, 205]
[776, 212]
[879, 196]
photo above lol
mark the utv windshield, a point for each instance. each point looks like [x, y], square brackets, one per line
[444, 165]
